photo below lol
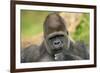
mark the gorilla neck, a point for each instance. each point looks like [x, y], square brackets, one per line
[46, 56]
[56, 57]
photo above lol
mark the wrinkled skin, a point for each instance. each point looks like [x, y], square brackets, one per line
[56, 45]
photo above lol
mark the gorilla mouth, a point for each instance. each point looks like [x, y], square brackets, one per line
[57, 44]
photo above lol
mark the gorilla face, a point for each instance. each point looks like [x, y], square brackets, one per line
[57, 42]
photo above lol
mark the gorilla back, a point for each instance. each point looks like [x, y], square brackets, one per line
[56, 45]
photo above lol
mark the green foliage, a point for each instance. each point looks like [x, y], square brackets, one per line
[82, 31]
[32, 22]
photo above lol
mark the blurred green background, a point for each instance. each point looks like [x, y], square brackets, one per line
[32, 25]
[83, 30]
[32, 22]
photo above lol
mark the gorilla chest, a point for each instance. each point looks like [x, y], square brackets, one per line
[56, 57]
[46, 58]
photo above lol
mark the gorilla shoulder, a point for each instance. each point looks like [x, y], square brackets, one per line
[30, 54]
[81, 49]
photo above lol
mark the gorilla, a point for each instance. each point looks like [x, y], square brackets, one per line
[56, 46]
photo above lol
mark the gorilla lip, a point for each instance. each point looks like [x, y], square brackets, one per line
[57, 50]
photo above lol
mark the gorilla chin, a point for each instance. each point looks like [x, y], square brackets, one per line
[56, 45]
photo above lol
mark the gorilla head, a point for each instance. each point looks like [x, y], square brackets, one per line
[55, 35]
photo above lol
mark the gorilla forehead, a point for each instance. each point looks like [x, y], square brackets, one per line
[54, 23]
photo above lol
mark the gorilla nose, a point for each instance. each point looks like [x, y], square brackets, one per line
[57, 43]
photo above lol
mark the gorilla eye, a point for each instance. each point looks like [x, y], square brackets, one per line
[56, 36]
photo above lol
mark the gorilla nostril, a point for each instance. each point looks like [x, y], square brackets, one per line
[57, 43]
